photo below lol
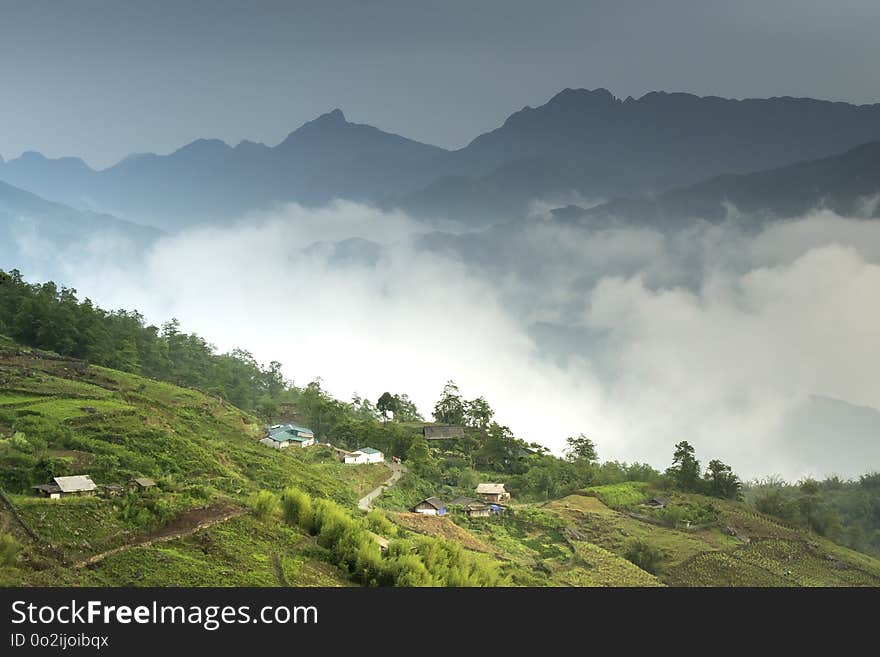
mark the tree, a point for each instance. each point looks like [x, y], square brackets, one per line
[420, 459]
[478, 414]
[386, 404]
[499, 449]
[406, 410]
[581, 449]
[685, 470]
[721, 481]
[449, 409]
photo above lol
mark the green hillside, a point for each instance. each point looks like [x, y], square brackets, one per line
[228, 511]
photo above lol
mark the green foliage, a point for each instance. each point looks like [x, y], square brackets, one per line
[421, 460]
[844, 511]
[265, 505]
[720, 481]
[422, 561]
[450, 408]
[378, 522]
[296, 508]
[581, 448]
[386, 404]
[52, 318]
[405, 409]
[644, 555]
[685, 470]
[9, 549]
[622, 495]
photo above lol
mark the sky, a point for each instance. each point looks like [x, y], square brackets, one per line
[102, 79]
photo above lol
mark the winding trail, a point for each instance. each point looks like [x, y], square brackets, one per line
[189, 523]
[398, 470]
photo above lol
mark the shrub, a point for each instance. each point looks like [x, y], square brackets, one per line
[9, 549]
[644, 555]
[296, 508]
[264, 504]
[379, 523]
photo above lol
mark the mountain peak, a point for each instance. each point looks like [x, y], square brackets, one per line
[333, 115]
[568, 95]
[204, 146]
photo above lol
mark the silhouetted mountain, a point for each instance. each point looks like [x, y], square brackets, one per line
[208, 180]
[609, 147]
[581, 142]
[848, 184]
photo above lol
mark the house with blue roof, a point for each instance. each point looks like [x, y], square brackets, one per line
[281, 436]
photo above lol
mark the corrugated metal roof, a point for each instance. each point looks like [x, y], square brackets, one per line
[440, 432]
[491, 489]
[369, 450]
[47, 488]
[436, 502]
[294, 429]
[75, 484]
[144, 482]
[288, 436]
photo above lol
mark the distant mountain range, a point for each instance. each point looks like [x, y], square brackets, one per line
[579, 144]
[848, 184]
[37, 235]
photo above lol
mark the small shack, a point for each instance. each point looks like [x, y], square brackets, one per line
[657, 502]
[442, 432]
[142, 483]
[74, 486]
[477, 510]
[493, 493]
[113, 490]
[363, 455]
[431, 506]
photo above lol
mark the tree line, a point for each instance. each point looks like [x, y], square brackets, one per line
[52, 318]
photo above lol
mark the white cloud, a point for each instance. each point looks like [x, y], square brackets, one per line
[712, 334]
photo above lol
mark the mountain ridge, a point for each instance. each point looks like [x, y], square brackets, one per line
[589, 142]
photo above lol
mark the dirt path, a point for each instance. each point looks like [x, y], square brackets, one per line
[278, 570]
[188, 523]
[397, 472]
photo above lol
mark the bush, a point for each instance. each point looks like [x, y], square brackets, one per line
[644, 555]
[264, 504]
[379, 523]
[296, 508]
[9, 549]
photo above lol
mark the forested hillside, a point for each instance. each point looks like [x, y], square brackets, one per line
[86, 391]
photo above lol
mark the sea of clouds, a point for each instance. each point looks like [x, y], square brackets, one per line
[759, 346]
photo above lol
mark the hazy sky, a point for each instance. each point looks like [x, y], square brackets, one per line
[102, 79]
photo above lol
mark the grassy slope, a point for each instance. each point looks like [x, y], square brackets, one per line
[205, 455]
[202, 451]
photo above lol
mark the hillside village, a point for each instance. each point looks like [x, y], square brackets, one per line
[115, 477]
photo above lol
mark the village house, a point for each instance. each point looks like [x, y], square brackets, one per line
[113, 490]
[141, 483]
[75, 486]
[478, 510]
[493, 493]
[472, 507]
[442, 432]
[431, 506]
[281, 436]
[363, 455]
